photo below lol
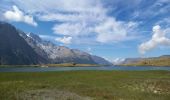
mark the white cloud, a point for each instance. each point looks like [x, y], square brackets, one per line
[112, 30]
[79, 18]
[158, 38]
[157, 8]
[72, 29]
[58, 6]
[64, 40]
[18, 16]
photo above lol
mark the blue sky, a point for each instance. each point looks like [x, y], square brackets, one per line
[107, 28]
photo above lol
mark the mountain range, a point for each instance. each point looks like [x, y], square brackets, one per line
[20, 48]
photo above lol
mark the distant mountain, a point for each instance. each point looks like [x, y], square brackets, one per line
[14, 50]
[131, 60]
[56, 54]
[60, 54]
[152, 61]
[118, 61]
[165, 56]
[100, 60]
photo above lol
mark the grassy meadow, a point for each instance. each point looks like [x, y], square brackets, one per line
[86, 85]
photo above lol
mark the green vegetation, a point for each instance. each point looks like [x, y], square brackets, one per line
[162, 61]
[86, 85]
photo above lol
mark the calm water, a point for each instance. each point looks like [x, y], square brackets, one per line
[40, 69]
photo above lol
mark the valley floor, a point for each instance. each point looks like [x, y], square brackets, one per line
[86, 85]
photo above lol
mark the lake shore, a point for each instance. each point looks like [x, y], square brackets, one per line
[86, 85]
[55, 65]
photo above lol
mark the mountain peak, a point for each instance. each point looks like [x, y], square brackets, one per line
[34, 36]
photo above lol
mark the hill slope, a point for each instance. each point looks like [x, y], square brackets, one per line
[154, 61]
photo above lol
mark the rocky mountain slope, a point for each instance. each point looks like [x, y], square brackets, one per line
[14, 49]
[17, 47]
[56, 54]
[60, 54]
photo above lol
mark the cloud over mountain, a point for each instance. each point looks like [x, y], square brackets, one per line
[78, 18]
[64, 40]
[111, 24]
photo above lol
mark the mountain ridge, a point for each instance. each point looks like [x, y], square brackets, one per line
[47, 52]
[62, 54]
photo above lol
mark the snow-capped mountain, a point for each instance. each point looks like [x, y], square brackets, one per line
[118, 61]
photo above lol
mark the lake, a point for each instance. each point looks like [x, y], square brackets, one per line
[105, 68]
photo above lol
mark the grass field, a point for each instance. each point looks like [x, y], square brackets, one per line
[86, 85]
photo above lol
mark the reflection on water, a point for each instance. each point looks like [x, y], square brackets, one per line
[40, 69]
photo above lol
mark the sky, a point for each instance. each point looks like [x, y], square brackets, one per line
[113, 29]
